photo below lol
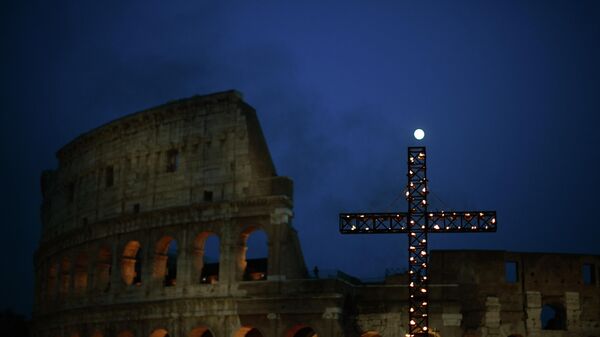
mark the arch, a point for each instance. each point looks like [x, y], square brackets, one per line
[165, 261]
[131, 263]
[80, 280]
[200, 331]
[254, 254]
[248, 331]
[125, 333]
[301, 330]
[370, 334]
[159, 333]
[103, 269]
[65, 276]
[207, 257]
[553, 317]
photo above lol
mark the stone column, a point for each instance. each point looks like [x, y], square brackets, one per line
[147, 257]
[115, 273]
[330, 323]
[279, 225]
[491, 320]
[533, 309]
[229, 267]
[185, 263]
[573, 311]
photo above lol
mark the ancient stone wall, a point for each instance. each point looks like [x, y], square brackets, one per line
[124, 194]
[127, 215]
[506, 292]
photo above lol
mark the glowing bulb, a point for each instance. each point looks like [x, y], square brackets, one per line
[412, 322]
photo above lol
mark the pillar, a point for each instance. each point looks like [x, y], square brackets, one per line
[533, 310]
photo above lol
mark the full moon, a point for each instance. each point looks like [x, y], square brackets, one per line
[419, 134]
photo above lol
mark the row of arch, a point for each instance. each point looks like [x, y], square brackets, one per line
[81, 274]
[299, 330]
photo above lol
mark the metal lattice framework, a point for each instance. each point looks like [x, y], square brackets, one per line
[418, 223]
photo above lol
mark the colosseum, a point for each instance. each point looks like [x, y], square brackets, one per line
[129, 211]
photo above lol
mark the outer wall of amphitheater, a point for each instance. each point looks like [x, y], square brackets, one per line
[123, 193]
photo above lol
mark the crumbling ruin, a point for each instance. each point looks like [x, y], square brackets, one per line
[128, 212]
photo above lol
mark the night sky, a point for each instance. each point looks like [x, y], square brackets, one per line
[508, 93]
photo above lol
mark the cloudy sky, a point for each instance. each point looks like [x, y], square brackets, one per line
[508, 93]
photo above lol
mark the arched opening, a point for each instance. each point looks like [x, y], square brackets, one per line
[131, 263]
[165, 261]
[301, 331]
[159, 333]
[103, 269]
[200, 332]
[206, 257]
[65, 276]
[553, 317]
[52, 280]
[371, 334]
[125, 333]
[248, 331]
[81, 274]
[255, 255]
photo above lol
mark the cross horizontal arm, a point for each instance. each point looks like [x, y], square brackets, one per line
[461, 222]
[373, 223]
[437, 222]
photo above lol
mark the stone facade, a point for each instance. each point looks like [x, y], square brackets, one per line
[196, 168]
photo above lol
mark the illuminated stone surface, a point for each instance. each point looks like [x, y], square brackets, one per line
[198, 167]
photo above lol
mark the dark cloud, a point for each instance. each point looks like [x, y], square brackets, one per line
[507, 93]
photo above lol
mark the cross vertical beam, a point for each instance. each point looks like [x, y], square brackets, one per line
[418, 223]
[416, 194]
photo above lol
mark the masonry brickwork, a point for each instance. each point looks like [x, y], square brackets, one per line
[200, 167]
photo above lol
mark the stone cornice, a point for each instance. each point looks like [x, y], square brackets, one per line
[175, 109]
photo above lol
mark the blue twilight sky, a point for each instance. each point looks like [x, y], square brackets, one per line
[507, 91]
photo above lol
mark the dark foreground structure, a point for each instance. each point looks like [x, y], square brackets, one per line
[129, 211]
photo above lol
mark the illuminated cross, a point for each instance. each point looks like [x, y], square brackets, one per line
[417, 223]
